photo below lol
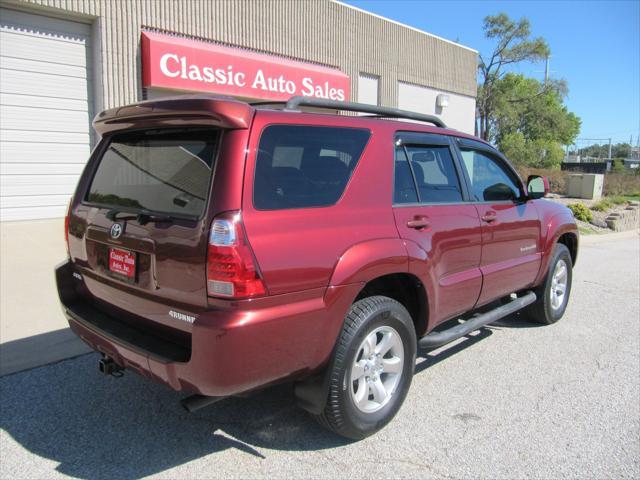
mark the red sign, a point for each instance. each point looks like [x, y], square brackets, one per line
[122, 262]
[183, 64]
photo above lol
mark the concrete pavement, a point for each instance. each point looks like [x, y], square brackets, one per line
[33, 330]
[515, 400]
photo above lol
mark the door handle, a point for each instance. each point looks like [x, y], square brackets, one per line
[418, 223]
[489, 216]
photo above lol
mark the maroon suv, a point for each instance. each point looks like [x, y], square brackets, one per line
[220, 247]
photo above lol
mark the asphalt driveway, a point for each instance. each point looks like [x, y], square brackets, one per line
[514, 400]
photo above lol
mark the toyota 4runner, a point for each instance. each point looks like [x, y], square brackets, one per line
[220, 247]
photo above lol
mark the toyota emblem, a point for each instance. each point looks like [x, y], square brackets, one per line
[115, 231]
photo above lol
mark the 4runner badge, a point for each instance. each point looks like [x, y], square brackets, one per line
[115, 231]
[182, 316]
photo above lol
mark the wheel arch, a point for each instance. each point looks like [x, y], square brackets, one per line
[561, 229]
[379, 267]
[405, 288]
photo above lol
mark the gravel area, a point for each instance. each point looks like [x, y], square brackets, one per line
[515, 400]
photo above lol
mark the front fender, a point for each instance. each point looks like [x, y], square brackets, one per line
[554, 228]
[365, 261]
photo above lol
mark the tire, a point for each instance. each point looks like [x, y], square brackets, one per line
[354, 373]
[547, 308]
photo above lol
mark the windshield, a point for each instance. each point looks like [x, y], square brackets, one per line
[159, 171]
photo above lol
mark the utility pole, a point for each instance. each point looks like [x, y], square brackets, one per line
[546, 70]
[609, 149]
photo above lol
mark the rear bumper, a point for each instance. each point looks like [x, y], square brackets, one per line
[235, 346]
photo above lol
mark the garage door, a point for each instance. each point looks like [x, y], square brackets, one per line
[44, 113]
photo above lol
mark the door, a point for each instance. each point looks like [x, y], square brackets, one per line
[432, 216]
[510, 224]
[44, 114]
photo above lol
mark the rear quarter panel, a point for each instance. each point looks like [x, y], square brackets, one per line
[299, 248]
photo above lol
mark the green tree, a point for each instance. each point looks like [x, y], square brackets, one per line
[621, 150]
[531, 122]
[618, 150]
[513, 45]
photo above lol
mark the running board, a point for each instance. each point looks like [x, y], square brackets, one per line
[437, 339]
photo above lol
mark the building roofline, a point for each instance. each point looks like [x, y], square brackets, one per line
[404, 25]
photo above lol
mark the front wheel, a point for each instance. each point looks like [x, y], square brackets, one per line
[553, 294]
[372, 368]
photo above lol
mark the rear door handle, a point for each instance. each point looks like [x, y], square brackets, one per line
[418, 223]
[489, 216]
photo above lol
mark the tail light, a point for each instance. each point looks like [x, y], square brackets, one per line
[232, 270]
[66, 227]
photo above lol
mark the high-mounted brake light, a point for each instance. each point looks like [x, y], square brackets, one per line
[231, 266]
[66, 226]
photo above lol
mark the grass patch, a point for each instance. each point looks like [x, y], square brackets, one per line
[630, 198]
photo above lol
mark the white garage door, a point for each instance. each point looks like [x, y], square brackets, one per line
[44, 113]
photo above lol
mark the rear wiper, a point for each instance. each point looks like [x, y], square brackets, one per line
[142, 218]
[114, 212]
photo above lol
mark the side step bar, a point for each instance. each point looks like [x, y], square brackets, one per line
[437, 339]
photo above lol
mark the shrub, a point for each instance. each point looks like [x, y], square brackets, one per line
[618, 166]
[608, 202]
[580, 212]
[603, 205]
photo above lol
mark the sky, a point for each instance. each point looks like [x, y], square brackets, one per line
[595, 47]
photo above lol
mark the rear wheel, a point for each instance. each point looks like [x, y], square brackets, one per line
[372, 368]
[553, 294]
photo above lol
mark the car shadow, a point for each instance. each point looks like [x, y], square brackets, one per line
[102, 428]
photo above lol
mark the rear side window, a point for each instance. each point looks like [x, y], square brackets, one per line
[166, 172]
[304, 166]
[430, 169]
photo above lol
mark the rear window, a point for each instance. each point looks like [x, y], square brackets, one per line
[159, 171]
[301, 166]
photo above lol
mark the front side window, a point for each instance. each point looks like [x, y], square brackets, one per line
[159, 171]
[425, 174]
[489, 180]
[305, 166]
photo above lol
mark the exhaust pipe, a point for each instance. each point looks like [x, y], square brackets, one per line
[196, 402]
[107, 366]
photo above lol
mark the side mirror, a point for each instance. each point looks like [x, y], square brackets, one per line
[537, 186]
[498, 192]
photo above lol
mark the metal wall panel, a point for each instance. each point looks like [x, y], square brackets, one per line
[44, 113]
[320, 31]
[459, 114]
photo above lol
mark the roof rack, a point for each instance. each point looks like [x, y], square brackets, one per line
[300, 101]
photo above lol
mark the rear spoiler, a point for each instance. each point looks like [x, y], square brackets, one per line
[202, 110]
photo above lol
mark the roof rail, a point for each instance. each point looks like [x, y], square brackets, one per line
[300, 101]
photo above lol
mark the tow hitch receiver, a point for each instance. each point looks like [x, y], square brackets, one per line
[107, 366]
